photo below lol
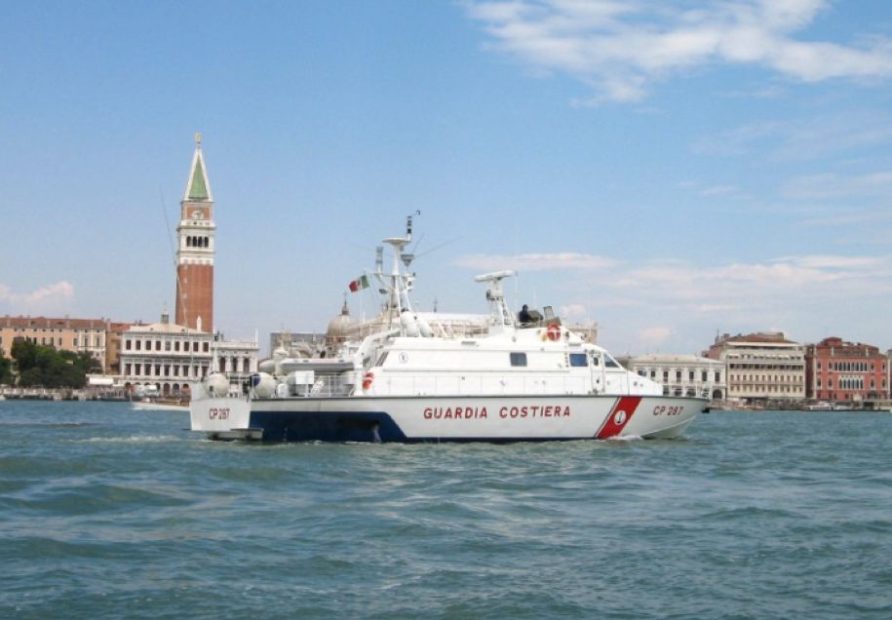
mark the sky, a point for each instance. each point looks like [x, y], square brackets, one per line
[669, 170]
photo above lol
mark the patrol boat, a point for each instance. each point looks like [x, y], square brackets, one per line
[414, 379]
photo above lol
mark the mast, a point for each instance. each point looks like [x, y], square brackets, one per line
[399, 284]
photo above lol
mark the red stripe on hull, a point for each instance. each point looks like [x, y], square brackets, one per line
[619, 416]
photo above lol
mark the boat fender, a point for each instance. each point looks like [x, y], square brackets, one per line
[367, 380]
[217, 384]
[554, 332]
[264, 385]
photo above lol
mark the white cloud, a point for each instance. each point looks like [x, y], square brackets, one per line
[535, 262]
[718, 190]
[681, 303]
[686, 289]
[574, 311]
[621, 48]
[652, 337]
[43, 299]
[801, 139]
[833, 185]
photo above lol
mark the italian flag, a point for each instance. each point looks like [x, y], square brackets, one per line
[358, 284]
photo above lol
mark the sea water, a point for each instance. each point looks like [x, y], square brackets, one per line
[106, 512]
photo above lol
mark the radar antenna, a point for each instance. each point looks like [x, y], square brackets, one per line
[500, 317]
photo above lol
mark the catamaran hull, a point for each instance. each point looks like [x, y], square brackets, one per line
[434, 419]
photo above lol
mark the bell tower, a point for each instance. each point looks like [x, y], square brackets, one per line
[195, 249]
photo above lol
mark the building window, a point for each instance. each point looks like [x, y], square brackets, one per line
[176, 346]
[167, 345]
[206, 349]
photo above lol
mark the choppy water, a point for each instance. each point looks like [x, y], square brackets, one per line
[106, 513]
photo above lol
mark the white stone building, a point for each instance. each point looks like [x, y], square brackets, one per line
[682, 375]
[164, 355]
[169, 357]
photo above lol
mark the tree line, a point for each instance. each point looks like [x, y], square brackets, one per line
[42, 366]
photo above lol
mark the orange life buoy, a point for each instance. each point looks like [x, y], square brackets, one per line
[554, 332]
[367, 380]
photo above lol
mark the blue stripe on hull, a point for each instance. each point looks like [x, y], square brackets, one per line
[327, 426]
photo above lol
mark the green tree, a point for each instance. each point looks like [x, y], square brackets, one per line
[42, 365]
[5, 370]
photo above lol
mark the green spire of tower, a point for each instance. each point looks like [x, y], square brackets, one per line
[197, 188]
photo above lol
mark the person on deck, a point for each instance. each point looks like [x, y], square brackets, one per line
[524, 315]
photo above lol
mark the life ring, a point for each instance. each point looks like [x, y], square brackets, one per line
[367, 380]
[554, 332]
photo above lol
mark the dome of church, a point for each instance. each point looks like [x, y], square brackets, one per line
[339, 327]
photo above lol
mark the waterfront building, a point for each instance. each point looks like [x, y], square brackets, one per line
[164, 355]
[841, 371]
[68, 334]
[169, 356]
[113, 347]
[682, 375]
[761, 367]
[237, 359]
[195, 249]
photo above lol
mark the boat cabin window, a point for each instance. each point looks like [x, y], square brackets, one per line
[381, 359]
[596, 359]
[518, 359]
[578, 360]
[610, 362]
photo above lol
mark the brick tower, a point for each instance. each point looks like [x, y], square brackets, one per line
[195, 249]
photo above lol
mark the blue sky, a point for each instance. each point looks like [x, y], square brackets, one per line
[667, 169]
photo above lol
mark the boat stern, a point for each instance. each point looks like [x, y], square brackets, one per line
[221, 417]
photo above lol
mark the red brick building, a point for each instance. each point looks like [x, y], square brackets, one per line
[841, 371]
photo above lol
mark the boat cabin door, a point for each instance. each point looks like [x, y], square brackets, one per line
[599, 380]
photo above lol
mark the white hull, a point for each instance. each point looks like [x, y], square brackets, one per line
[461, 418]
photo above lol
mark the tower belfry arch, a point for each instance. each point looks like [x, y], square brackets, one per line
[195, 248]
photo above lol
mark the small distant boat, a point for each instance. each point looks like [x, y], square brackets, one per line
[154, 404]
[149, 398]
[820, 406]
